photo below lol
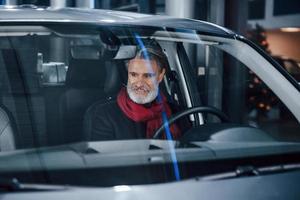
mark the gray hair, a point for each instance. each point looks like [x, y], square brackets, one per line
[152, 52]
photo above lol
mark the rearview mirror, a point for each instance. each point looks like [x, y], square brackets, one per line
[93, 53]
[126, 52]
[85, 52]
[85, 48]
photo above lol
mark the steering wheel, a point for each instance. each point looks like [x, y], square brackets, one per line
[202, 109]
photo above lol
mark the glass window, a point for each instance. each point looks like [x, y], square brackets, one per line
[256, 9]
[227, 84]
[34, 2]
[282, 7]
[137, 105]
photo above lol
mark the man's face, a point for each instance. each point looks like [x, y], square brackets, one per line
[144, 77]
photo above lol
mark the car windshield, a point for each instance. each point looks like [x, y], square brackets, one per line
[137, 105]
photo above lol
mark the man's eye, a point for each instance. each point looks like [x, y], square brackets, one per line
[149, 75]
[133, 74]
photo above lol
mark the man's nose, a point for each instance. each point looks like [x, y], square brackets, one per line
[140, 80]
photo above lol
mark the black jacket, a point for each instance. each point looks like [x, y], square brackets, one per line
[108, 122]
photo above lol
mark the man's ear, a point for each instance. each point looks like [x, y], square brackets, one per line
[161, 75]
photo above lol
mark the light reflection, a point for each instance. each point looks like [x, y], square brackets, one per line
[107, 20]
[290, 29]
[164, 116]
[10, 7]
[122, 188]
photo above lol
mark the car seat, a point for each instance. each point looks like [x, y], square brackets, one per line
[20, 91]
[7, 135]
[87, 81]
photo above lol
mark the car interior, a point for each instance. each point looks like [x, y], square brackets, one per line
[45, 97]
[51, 80]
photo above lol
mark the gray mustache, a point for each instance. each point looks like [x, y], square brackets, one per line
[133, 87]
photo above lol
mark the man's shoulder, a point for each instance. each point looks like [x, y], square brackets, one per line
[105, 105]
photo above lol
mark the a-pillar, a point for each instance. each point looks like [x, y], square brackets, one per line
[236, 14]
[85, 3]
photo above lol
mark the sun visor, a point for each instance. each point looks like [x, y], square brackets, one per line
[126, 52]
[106, 47]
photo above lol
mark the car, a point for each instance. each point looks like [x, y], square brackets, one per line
[57, 64]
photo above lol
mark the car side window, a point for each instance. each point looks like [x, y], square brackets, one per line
[227, 84]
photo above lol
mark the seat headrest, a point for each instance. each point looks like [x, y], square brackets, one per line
[83, 73]
[17, 66]
[97, 74]
[113, 81]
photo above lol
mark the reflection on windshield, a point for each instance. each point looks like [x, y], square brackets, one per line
[99, 98]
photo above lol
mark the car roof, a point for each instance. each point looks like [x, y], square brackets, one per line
[31, 13]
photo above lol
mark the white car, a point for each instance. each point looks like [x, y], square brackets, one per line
[57, 64]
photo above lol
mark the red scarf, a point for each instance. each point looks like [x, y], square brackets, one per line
[151, 115]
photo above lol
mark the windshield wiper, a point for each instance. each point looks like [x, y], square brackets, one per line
[242, 171]
[13, 185]
[10, 185]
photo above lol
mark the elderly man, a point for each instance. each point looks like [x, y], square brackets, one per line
[139, 108]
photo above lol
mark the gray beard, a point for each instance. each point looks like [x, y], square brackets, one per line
[142, 100]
